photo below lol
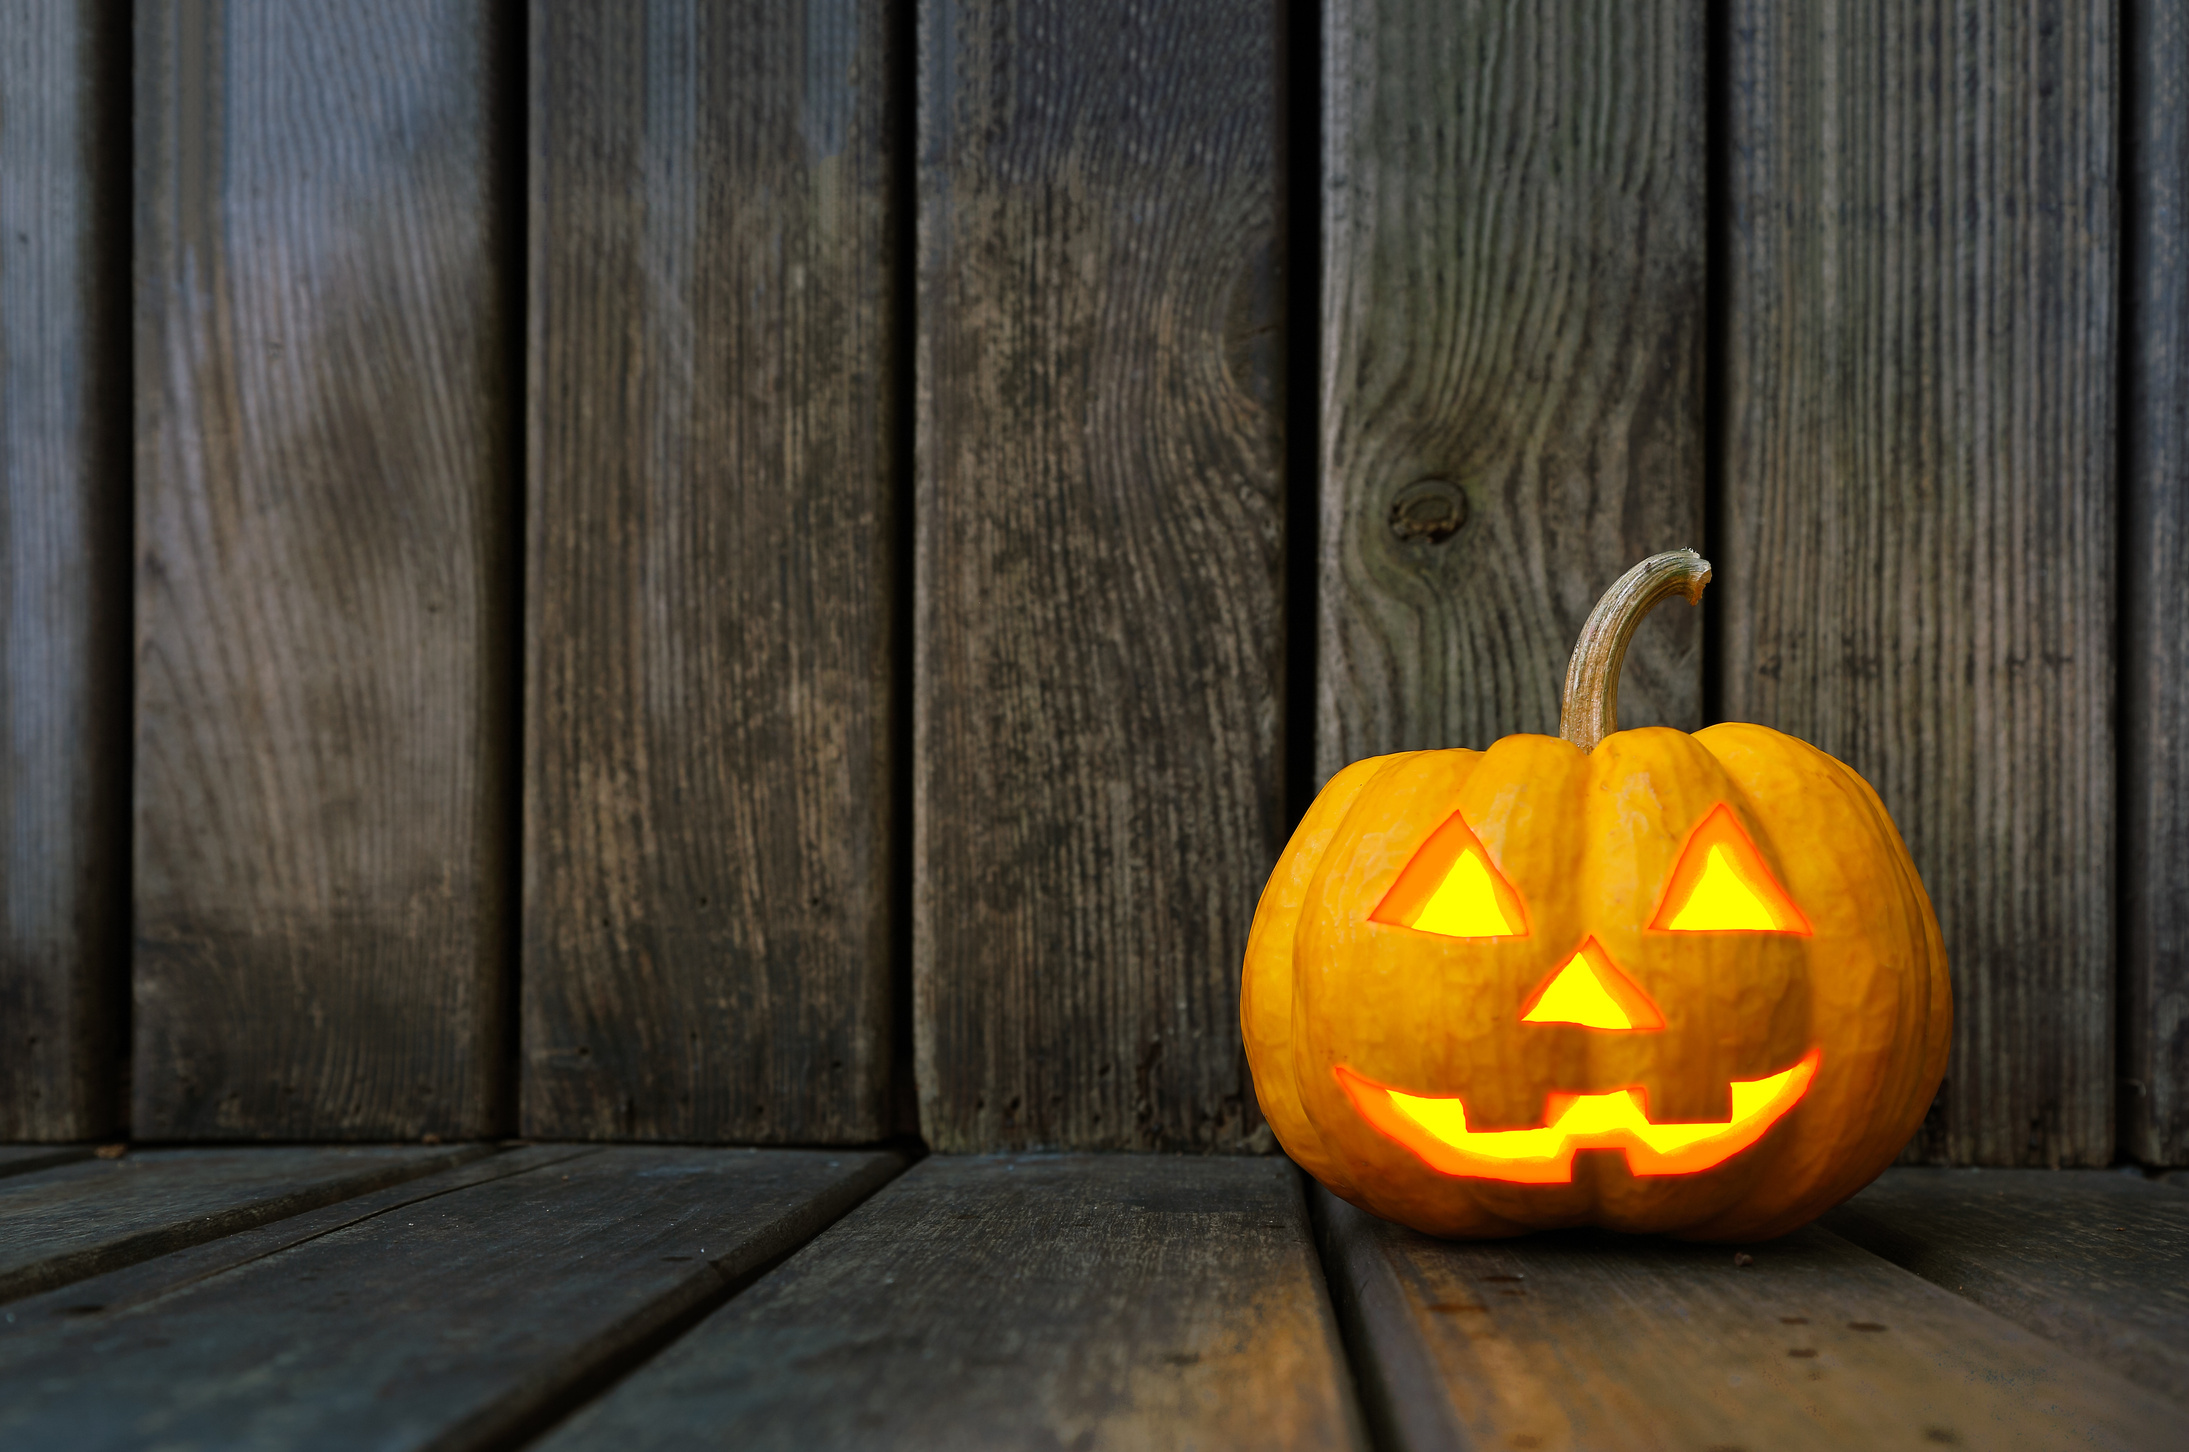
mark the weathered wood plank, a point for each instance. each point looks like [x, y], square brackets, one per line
[709, 594]
[1513, 311]
[1579, 1339]
[118, 1290]
[325, 636]
[1098, 757]
[2154, 1090]
[2094, 1260]
[21, 1159]
[1074, 1301]
[1919, 505]
[100, 1215]
[64, 548]
[465, 1321]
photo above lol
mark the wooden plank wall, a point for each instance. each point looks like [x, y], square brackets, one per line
[709, 840]
[1098, 750]
[2154, 1018]
[325, 531]
[894, 628]
[64, 531]
[1512, 370]
[1917, 552]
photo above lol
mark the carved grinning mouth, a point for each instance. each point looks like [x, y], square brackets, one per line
[1435, 1128]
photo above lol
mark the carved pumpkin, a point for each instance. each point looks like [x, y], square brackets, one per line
[1636, 979]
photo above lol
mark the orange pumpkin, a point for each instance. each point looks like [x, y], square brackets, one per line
[1636, 979]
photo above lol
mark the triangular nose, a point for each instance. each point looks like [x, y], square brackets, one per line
[1588, 990]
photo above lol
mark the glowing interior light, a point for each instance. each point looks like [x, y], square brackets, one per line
[1721, 901]
[1435, 1129]
[1588, 990]
[1451, 888]
[1722, 885]
[1465, 904]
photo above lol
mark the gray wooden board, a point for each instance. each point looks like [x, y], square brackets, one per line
[1132, 1302]
[1574, 1340]
[459, 1321]
[1098, 752]
[2093, 1259]
[325, 653]
[64, 545]
[81, 1219]
[117, 1290]
[711, 508]
[2155, 585]
[1917, 563]
[17, 1159]
[1513, 312]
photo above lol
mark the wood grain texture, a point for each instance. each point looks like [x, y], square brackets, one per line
[1513, 332]
[324, 633]
[1100, 658]
[1129, 1302]
[96, 1216]
[1917, 567]
[22, 1159]
[145, 1280]
[1592, 1340]
[2094, 1260]
[712, 424]
[64, 585]
[463, 1321]
[2154, 1050]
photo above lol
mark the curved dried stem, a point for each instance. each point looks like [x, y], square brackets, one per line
[1590, 709]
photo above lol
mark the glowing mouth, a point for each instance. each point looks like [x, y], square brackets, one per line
[1436, 1128]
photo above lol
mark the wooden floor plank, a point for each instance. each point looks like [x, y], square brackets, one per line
[21, 1159]
[132, 1285]
[1037, 1301]
[457, 1322]
[2095, 1260]
[84, 1219]
[1586, 1339]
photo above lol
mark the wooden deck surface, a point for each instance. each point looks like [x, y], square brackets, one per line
[577, 1296]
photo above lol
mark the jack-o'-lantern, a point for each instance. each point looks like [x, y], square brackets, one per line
[1642, 979]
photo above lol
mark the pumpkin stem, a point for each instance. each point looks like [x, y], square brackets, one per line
[1590, 710]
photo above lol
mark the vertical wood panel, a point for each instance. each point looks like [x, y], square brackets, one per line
[2155, 587]
[1513, 304]
[64, 602]
[323, 533]
[708, 820]
[1098, 744]
[1916, 574]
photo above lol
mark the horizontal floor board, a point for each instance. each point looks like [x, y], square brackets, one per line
[2093, 1259]
[1585, 1339]
[19, 1159]
[464, 1320]
[1034, 1301]
[86, 1218]
[133, 1285]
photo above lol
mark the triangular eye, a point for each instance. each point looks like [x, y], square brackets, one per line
[1452, 889]
[1722, 885]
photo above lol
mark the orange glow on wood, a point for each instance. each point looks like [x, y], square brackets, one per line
[1435, 1129]
[1589, 991]
[1723, 885]
[1452, 889]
